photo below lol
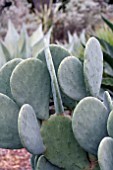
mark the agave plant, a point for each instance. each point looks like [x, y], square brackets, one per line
[21, 45]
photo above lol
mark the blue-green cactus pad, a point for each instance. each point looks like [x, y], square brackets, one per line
[29, 130]
[30, 83]
[58, 53]
[62, 149]
[5, 74]
[108, 101]
[93, 66]
[105, 154]
[89, 123]
[44, 164]
[71, 80]
[9, 137]
[110, 124]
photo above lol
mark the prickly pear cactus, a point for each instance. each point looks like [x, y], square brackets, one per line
[110, 124]
[90, 117]
[33, 161]
[57, 133]
[5, 74]
[30, 83]
[79, 81]
[44, 164]
[29, 130]
[58, 53]
[108, 101]
[105, 154]
[9, 137]
[70, 75]
[93, 66]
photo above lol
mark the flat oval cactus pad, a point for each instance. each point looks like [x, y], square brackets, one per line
[71, 80]
[5, 74]
[29, 130]
[89, 123]
[93, 66]
[9, 137]
[30, 83]
[62, 148]
[105, 154]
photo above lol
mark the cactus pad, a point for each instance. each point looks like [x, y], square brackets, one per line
[33, 161]
[70, 75]
[110, 124]
[105, 154]
[62, 148]
[9, 137]
[5, 74]
[93, 66]
[30, 83]
[58, 53]
[89, 123]
[43, 164]
[29, 130]
[107, 101]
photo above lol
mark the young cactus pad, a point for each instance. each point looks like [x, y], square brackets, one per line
[93, 66]
[70, 75]
[9, 137]
[110, 124]
[44, 164]
[105, 154]
[62, 148]
[29, 130]
[30, 83]
[89, 123]
[5, 74]
[108, 101]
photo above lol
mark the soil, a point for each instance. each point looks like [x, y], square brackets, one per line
[14, 159]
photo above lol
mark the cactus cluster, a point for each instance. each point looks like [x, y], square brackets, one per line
[57, 141]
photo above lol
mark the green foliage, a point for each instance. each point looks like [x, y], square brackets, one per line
[104, 35]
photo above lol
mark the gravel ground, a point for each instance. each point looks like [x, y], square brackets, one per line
[14, 159]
